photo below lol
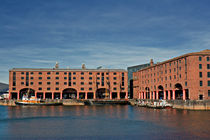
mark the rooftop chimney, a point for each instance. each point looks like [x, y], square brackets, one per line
[151, 62]
[83, 66]
[56, 65]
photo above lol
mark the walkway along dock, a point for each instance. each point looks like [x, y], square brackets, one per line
[176, 104]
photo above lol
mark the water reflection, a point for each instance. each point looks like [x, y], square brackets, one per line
[104, 122]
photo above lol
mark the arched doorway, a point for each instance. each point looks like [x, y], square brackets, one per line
[147, 90]
[178, 92]
[26, 91]
[69, 93]
[160, 91]
[102, 93]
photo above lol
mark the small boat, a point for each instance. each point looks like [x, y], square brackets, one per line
[26, 100]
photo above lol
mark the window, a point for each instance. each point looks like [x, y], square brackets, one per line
[82, 83]
[90, 83]
[48, 83]
[32, 73]
[65, 83]
[82, 73]
[65, 78]
[22, 78]
[48, 77]
[74, 78]
[57, 73]
[13, 88]
[200, 74]
[90, 78]
[98, 73]
[115, 78]
[56, 88]
[200, 58]
[57, 83]
[82, 78]
[32, 78]
[22, 83]
[185, 83]
[48, 73]
[201, 83]
[56, 78]
[40, 88]
[40, 78]
[107, 78]
[115, 83]
[74, 83]
[209, 93]
[207, 58]
[32, 83]
[208, 66]
[98, 78]
[90, 73]
[40, 73]
[74, 73]
[123, 74]
[115, 73]
[200, 66]
[208, 74]
[22, 72]
[40, 83]
[82, 88]
[174, 76]
[90, 88]
[48, 88]
[208, 83]
[114, 88]
[65, 73]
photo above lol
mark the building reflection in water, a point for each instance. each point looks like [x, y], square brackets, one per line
[108, 119]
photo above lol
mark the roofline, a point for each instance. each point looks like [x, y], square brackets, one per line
[204, 52]
[54, 69]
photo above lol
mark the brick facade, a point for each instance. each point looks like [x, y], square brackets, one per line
[183, 77]
[69, 83]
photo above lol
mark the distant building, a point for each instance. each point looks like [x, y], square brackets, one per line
[59, 83]
[131, 70]
[181, 78]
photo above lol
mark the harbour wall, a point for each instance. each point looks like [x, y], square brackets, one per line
[180, 104]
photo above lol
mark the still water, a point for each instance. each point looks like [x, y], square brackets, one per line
[102, 122]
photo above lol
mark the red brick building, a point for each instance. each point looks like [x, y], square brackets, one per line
[68, 83]
[183, 77]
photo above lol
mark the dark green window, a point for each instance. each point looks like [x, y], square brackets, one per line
[200, 58]
[200, 66]
[208, 74]
[209, 83]
[201, 83]
[200, 74]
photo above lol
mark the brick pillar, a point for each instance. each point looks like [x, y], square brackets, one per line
[150, 95]
[44, 95]
[184, 94]
[126, 95]
[169, 95]
[174, 94]
[86, 95]
[94, 95]
[118, 95]
[157, 95]
[142, 95]
[52, 95]
[145, 95]
[153, 95]
[18, 96]
[35, 95]
[139, 95]
[110, 95]
[164, 95]
[61, 95]
[77, 95]
[10, 95]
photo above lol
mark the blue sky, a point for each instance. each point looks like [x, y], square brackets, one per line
[108, 33]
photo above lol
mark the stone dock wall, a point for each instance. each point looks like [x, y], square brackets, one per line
[181, 104]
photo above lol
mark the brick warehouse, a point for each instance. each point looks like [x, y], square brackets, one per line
[68, 83]
[181, 78]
